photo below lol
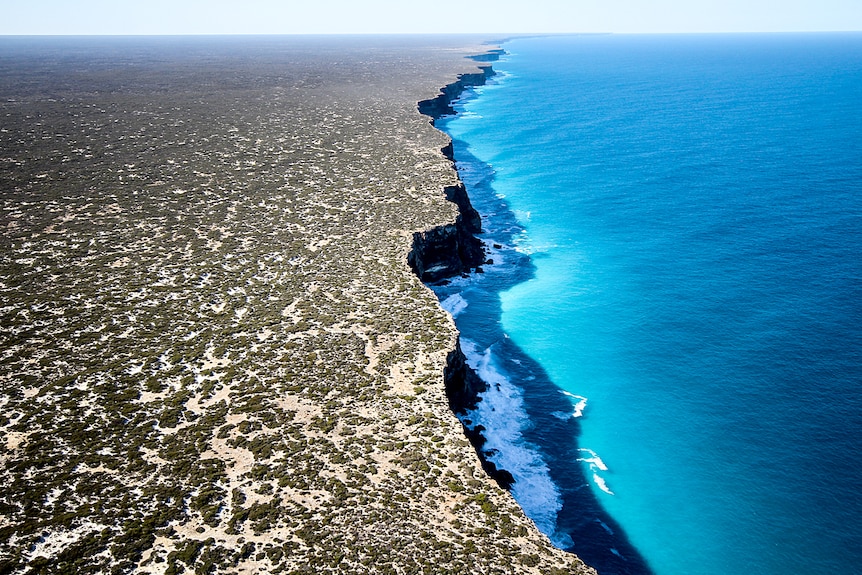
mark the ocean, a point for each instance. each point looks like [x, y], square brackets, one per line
[672, 324]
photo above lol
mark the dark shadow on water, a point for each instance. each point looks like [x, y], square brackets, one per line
[598, 539]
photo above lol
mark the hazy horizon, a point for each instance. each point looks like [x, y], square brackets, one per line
[500, 17]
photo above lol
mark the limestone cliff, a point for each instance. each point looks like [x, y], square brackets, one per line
[451, 249]
[445, 251]
[441, 105]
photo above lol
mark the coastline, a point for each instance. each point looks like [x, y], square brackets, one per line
[245, 375]
[451, 250]
[579, 524]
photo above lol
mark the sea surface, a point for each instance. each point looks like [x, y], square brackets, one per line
[672, 324]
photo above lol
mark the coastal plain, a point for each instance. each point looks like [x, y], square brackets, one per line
[214, 357]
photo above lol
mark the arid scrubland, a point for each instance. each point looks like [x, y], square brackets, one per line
[213, 354]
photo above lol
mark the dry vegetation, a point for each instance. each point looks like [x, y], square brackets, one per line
[213, 355]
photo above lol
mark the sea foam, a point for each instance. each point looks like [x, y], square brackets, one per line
[502, 414]
[580, 406]
[596, 464]
[454, 304]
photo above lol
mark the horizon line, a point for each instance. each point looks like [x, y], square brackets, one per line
[508, 35]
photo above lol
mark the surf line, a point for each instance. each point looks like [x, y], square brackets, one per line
[486, 377]
[454, 250]
[480, 386]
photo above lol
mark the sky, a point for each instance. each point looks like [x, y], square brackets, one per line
[411, 16]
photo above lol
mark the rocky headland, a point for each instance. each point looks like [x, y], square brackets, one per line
[214, 354]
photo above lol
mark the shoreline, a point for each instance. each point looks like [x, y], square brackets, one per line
[598, 539]
[453, 250]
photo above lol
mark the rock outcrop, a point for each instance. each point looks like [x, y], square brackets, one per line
[448, 250]
[463, 387]
[462, 383]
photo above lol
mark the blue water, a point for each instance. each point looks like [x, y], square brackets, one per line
[672, 325]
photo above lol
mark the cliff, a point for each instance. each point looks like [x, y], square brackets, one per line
[441, 105]
[451, 249]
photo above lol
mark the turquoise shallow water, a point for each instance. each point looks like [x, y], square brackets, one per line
[671, 326]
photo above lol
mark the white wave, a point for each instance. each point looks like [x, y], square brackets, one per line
[581, 404]
[596, 464]
[521, 243]
[600, 482]
[454, 304]
[524, 244]
[459, 282]
[594, 460]
[562, 415]
[501, 412]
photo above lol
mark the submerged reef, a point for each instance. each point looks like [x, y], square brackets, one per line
[214, 357]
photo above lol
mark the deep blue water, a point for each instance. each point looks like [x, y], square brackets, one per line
[672, 325]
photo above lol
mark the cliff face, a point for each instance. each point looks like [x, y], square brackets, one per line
[471, 221]
[489, 56]
[452, 249]
[462, 383]
[441, 105]
[463, 387]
